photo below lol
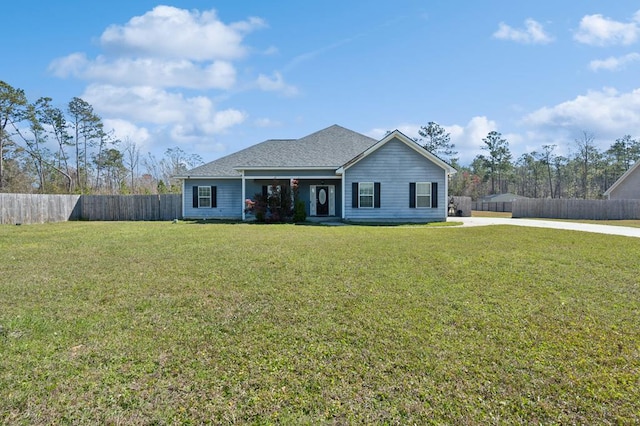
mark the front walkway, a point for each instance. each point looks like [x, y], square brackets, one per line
[537, 223]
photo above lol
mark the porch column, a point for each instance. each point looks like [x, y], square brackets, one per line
[244, 197]
[343, 195]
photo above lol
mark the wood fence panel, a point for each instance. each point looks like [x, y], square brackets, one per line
[41, 208]
[38, 208]
[461, 206]
[577, 209]
[131, 207]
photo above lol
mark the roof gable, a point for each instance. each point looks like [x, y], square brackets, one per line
[396, 134]
[622, 179]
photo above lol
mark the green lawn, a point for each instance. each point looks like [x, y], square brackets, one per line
[138, 323]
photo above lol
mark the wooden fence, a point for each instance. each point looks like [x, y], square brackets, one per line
[38, 208]
[493, 206]
[577, 209]
[131, 207]
[459, 206]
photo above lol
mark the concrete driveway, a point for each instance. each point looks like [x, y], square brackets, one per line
[536, 223]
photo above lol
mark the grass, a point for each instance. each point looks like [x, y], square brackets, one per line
[480, 213]
[138, 323]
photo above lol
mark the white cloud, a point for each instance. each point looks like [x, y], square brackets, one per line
[612, 63]
[266, 122]
[468, 138]
[123, 130]
[170, 32]
[136, 82]
[533, 33]
[195, 116]
[598, 30]
[147, 71]
[70, 65]
[607, 113]
[275, 84]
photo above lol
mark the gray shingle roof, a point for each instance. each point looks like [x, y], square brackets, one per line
[330, 148]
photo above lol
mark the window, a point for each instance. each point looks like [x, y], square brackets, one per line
[365, 194]
[204, 196]
[423, 194]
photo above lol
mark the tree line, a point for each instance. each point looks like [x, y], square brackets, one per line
[586, 172]
[48, 149]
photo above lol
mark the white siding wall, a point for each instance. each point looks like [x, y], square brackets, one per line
[229, 200]
[395, 165]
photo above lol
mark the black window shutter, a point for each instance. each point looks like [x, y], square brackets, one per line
[355, 196]
[195, 197]
[412, 195]
[376, 195]
[214, 196]
[434, 194]
[265, 191]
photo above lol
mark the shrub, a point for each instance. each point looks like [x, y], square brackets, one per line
[299, 212]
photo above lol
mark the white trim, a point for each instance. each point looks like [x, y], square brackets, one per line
[429, 185]
[184, 194]
[331, 198]
[396, 134]
[200, 197]
[207, 177]
[446, 195]
[373, 195]
[300, 178]
[250, 168]
[312, 200]
[621, 179]
[344, 196]
[244, 197]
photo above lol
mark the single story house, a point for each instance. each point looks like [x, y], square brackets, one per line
[627, 187]
[341, 175]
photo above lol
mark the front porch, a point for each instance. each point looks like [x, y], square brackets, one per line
[322, 198]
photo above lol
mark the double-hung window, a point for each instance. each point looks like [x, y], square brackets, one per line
[204, 196]
[423, 194]
[365, 194]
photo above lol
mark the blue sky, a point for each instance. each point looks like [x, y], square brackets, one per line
[212, 77]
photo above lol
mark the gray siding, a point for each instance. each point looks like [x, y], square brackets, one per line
[395, 165]
[229, 199]
[628, 189]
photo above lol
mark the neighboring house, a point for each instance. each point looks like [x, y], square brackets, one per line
[627, 187]
[341, 175]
